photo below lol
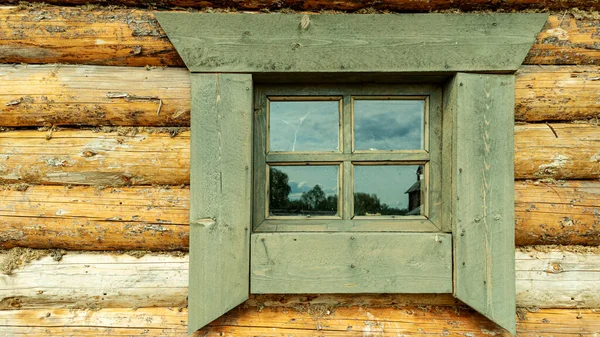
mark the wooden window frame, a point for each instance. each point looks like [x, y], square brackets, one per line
[473, 55]
[349, 157]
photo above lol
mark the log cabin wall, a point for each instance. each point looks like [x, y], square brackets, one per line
[94, 167]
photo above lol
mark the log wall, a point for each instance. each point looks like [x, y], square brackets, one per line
[94, 174]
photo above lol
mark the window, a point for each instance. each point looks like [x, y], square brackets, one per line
[347, 158]
[472, 56]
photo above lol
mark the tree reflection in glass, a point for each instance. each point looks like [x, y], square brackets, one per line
[303, 190]
[388, 190]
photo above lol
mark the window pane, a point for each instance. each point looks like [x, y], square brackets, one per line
[303, 190]
[304, 125]
[388, 190]
[389, 124]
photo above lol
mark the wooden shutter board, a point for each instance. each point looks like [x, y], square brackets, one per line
[351, 263]
[483, 195]
[220, 191]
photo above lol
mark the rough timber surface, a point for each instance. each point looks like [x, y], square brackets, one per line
[564, 213]
[157, 218]
[290, 43]
[307, 321]
[558, 151]
[546, 277]
[132, 37]
[150, 157]
[37, 95]
[94, 95]
[482, 212]
[85, 157]
[347, 5]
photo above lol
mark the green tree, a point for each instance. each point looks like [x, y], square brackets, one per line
[279, 189]
[314, 198]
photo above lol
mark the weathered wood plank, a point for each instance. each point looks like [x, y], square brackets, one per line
[132, 37]
[314, 321]
[148, 218]
[351, 263]
[247, 43]
[81, 95]
[547, 277]
[482, 194]
[80, 157]
[91, 95]
[220, 194]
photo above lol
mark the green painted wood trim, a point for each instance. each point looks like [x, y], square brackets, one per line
[351, 263]
[220, 181]
[275, 43]
[483, 195]
[431, 156]
[400, 224]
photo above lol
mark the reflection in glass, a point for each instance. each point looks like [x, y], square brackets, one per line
[303, 190]
[304, 125]
[388, 124]
[388, 190]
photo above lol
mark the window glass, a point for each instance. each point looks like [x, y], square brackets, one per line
[303, 190]
[300, 126]
[390, 124]
[388, 190]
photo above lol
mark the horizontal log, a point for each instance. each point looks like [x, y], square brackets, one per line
[558, 151]
[156, 218]
[49, 34]
[557, 93]
[85, 218]
[546, 278]
[129, 96]
[94, 95]
[564, 213]
[249, 321]
[348, 5]
[81, 157]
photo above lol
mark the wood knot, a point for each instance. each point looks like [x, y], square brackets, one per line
[305, 22]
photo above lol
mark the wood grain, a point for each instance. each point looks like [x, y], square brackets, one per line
[546, 277]
[347, 5]
[80, 157]
[330, 43]
[558, 151]
[43, 95]
[351, 263]
[132, 37]
[557, 93]
[156, 218]
[250, 321]
[564, 213]
[94, 95]
[76, 35]
[220, 195]
[482, 195]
